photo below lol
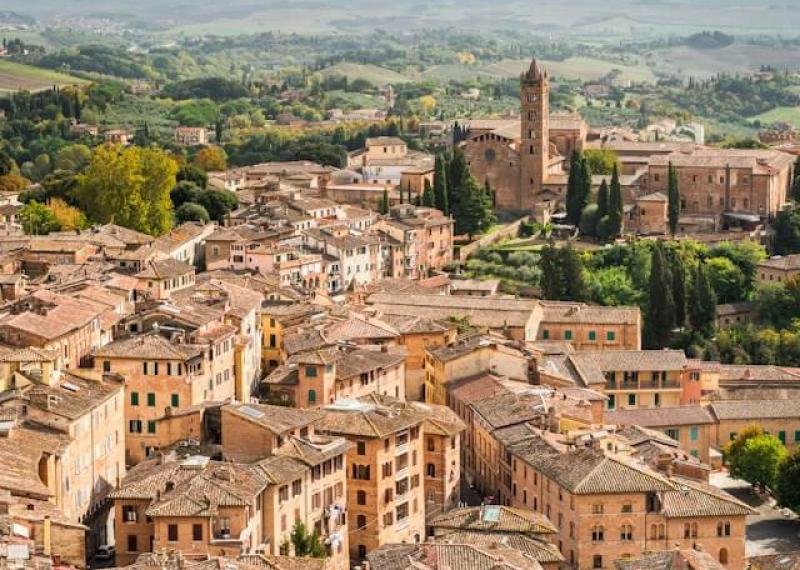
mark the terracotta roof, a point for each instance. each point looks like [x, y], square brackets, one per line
[786, 262]
[282, 469]
[568, 312]
[538, 549]
[443, 421]
[660, 417]
[692, 498]
[671, 560]
[783, 561]
[72, 397]
[755, 410]
[277, 419]
[165, 269]
[494, 518]
[372, 416]
[20, 453]
[54, 315]
[149, 346]
[475, 388]
[362, 328]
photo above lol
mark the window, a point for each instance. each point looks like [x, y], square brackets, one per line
[283, 493]
[598, 534]
[134, 398]
[732, 435]
[431, 444]
[361, 497]
[597, 560]
[782, 437]
[135, 426]
[133, 543]
[797, 436]
[592, 335]
[106, 366]
[431, 470]
[694, 433]
[151, 399]
[175, 400]
[723, 528]
[612, 401]
[545, 334]
[361, 521]
[597, 509]
[626, 532]
[312, 396]
[151, 427]
[362, 551]
[197, 532]
[631, 399]
[361, 447]
[311, 371]
[723, 555]
[361, 472]
[627, 508]
[567, 335]
[172, 532]
[673, 433]
[297, 487]
[610, 335]
[129, 514]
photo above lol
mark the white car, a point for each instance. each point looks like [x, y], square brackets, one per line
[105, 552]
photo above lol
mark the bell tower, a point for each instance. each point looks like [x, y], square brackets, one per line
[534, 151]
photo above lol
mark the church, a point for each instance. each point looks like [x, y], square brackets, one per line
[525, 161]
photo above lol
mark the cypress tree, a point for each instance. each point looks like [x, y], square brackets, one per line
[440, 185]
[428, 199]
[384, 207]
[615, 204]
[602, 200]
[679, 289]
[586, 183]
[673, 195]
[460, 201]
[660, 316]
[574, 186]
[703, 303]
[572, 274]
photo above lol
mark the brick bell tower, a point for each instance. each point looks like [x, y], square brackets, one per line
[534, 151]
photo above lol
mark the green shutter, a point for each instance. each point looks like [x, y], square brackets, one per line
[134, 398]
[151, 427]
[175, 401]
[151, 399]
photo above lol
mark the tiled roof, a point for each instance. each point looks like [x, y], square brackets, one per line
[568, 312]
[660, 417]
[783, 561]
[164, 269]
[782, 262]
[372, 416]
[62, 315]
[443, 421]
[754, 410]
[671, 560]
[73, 397]
[362, 328]
[634, 360]
[277, 419]
[352, 363]
[149, 346]
[469, 342]
[315, 449]
[692, 498]
[508, 409]
[282, 469]
[494, 518]
[414, 324]
[475, 388]
[20, 453]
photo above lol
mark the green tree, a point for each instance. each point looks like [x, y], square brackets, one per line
[38, 219]
[703, 302]
[384, 205]
[458, 176]
[191, 212]
[734, 449]
[787, 488]
[726, 279]
[428, 198]
[590, 217]
[440, 190]
[572, 274]
[73, 157]
[475, 213]
[674, 200]
[306, 544]
[574, 200]
[759, 461]
[218, 203]
[787, 231]
[551, 284]
[601, 160]
[679, 289]
[602, 199]
[660, 317]
[158, 172]
[615, 206]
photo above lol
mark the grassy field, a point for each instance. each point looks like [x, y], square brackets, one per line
[16, 77]
[378, 76]
[789, 115]
[737, 58]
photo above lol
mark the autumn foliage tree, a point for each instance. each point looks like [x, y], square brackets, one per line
[211, 159]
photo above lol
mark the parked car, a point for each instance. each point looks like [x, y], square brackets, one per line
[105, 552]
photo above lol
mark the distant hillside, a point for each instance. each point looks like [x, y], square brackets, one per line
[17, 77]
[378, 76]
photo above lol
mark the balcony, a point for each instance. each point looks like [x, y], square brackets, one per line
[401, 473]
[401, 448]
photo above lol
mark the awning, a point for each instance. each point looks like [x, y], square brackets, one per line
[752, 218]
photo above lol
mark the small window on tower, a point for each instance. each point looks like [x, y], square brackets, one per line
[533, 150]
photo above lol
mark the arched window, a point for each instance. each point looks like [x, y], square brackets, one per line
[312, 396]
[653, 532]
[723, 555]
[598, 534]
[626, 532]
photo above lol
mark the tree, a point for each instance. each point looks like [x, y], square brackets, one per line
[185, 191]
[574, 201]
[218, 203]
[703, 302]
[733, 449]
[191, 173]
[67, 217]
[660, 317]
[795, 193]
[457, 176]
[674, 200]
[13, 183]
[551, 283]
[726, 279]
[786, 484]
[211, 158]
[572, 274]
[787, 231]
[601, 160]
[191, 212]
[428, 199]
[590, 217]
[602, 200]
[679, 289]
[440, 191]
[475, 213]
[616, 206]
[73, 157]
[384, 205]
[158, 171]
[759, 460]
[37, 219]
[306, 544]
[585, 183]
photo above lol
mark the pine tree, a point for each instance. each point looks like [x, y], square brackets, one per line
[574, 188]
[602, 200]
[679, 289]
[572, 274]
[440, 185]
[660, 316]
[428, 199]
[550, 283]
[703, 303]
[673, 195]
